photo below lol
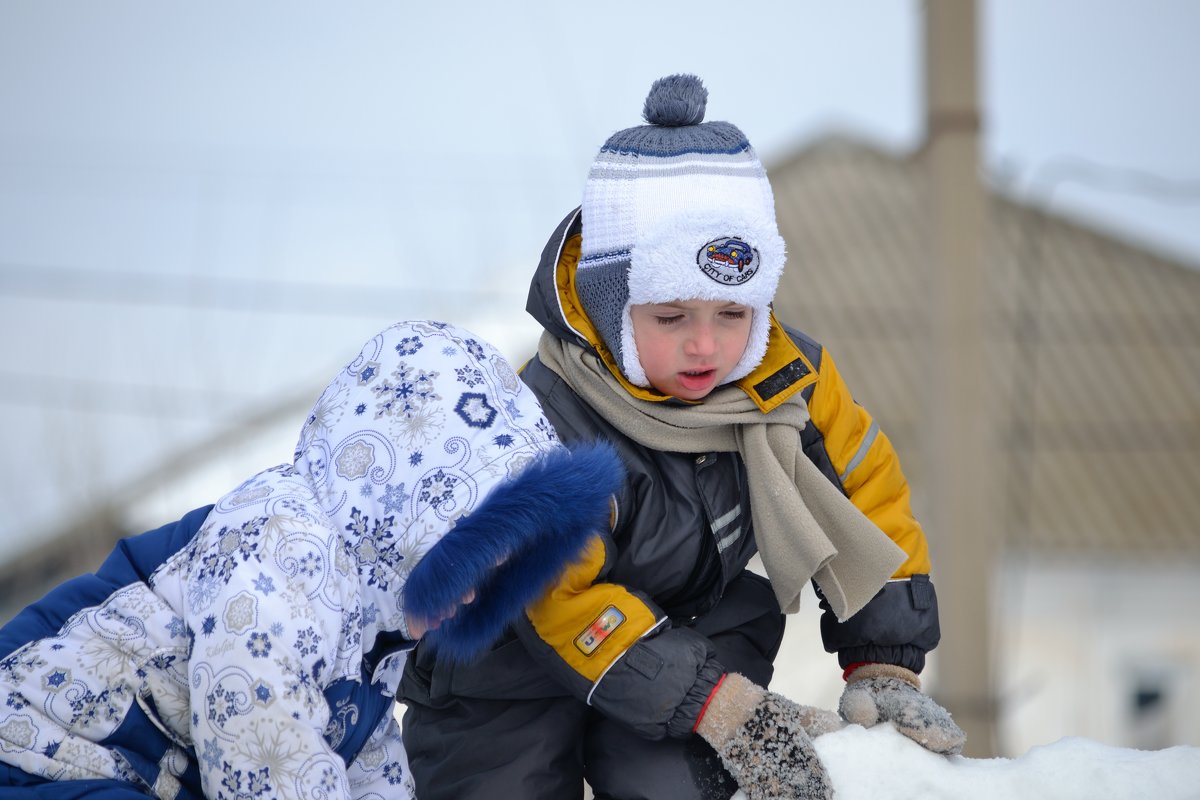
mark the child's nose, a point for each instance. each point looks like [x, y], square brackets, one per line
[702, 342]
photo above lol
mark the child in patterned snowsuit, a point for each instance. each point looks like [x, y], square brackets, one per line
[252, 649]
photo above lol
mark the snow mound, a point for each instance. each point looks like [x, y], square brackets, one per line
[882, 764]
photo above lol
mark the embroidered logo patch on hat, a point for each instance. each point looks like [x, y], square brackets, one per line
[728, 260]
[594, 634]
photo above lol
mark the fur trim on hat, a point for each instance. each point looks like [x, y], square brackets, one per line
[673, 265]
[533, 526]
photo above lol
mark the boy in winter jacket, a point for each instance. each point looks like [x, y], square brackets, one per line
[643, 669]
[253, 648]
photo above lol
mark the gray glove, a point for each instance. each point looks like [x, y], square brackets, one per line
[885, 693]
[763, 740]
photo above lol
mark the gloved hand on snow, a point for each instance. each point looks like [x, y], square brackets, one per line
[877, 693]
[763, 739]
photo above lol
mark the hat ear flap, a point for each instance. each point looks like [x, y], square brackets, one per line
[631, 361]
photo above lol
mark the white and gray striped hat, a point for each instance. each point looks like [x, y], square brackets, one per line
[679, 209]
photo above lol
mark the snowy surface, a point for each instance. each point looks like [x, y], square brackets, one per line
[881, 764]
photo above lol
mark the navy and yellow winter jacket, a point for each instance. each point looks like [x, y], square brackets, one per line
[615, 631]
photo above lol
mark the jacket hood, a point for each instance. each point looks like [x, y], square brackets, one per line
[428, 438]
[554, 302]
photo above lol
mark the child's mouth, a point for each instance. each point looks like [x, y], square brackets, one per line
[697, 379]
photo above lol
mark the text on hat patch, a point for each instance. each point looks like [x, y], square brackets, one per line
[728, 260]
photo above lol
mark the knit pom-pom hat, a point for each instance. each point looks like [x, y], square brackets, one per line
[679, 209]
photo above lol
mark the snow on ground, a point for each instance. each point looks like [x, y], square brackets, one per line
[881, 764]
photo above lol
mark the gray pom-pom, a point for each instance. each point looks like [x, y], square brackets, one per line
[675, 101]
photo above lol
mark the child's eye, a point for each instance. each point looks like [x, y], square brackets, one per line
[734, 313]
[669, 320]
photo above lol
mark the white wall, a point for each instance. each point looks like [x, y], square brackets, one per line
[1080, 637]
[1077, 638]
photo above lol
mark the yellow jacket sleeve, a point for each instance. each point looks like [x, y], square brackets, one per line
[867, 466]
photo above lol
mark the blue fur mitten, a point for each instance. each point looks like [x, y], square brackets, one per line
[877, 693]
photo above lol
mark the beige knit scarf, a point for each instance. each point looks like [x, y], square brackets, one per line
[803, 524]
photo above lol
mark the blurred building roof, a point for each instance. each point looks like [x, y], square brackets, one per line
[1096, 345]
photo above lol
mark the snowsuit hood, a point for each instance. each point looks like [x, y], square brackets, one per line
[436, 464]
[255, 646]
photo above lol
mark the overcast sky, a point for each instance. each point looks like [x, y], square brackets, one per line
[206, 208]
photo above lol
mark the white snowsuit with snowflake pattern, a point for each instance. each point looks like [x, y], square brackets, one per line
[253, 648]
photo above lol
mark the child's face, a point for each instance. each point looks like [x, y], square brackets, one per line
[688, 347]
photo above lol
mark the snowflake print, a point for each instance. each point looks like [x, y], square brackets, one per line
[307, 641]
[255, 783]
[16, 666]
[546, 429]
[298, 684]
[437, 488]
[264, 584]
[415, 458]
[474, 410]
[259, 645]
[421, 427]
[310, 564]
[510, 407]
[409, 345]
[366, 551]
[243, 542]
[19, 731]
[503, 440]
[469, 375]
[234, 546]
[504, 371]
[474, 348]
[262, 693]
[328, 411]
[212, 754]
[412, 390]
[394, 498]
[394, 773]
[56, 679]
[374, 549]
[202, 590]
[368, 373]
[354, 460]
[222, 705]
[162, 661]
[92, 707]
[241, 613]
